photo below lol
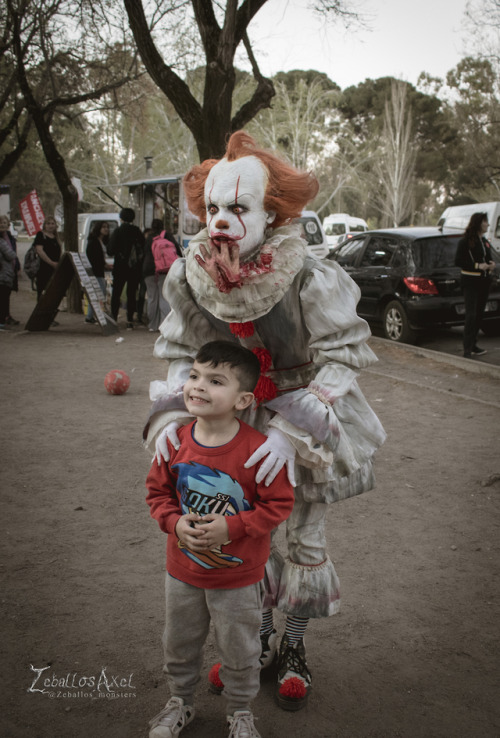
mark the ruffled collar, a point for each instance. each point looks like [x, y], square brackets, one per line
[264, 280]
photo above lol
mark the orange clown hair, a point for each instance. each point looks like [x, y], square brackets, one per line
[287, 193]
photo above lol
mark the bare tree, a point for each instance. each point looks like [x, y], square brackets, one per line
[297, 123]
[54, 78]
[395, 167]
[483, 29]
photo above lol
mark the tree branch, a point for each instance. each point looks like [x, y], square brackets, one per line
[10, 160]
[171, 85]
[244, 16]
[262, 96]
[210, 31]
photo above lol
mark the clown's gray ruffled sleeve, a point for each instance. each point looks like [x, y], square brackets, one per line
[330, 422]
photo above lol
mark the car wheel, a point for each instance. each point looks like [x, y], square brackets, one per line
[396, 327]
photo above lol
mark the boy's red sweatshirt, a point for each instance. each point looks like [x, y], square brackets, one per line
[206, 480]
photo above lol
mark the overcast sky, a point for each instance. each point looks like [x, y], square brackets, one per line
[406, 38]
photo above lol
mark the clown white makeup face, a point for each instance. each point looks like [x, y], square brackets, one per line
[234, 198]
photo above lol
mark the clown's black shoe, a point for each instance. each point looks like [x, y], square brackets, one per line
[294, 678]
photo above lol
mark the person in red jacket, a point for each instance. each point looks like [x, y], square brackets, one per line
[219, 521]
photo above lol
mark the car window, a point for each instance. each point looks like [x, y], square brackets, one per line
[435, 253]
[358, 229]
[400, 258]
[497, 229]
[379, 251]
[347, 254]
[335, 229]
[311, 231]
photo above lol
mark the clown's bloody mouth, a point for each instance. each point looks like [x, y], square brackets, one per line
[220, 239]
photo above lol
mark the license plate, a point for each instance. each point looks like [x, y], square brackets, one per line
[491, 306]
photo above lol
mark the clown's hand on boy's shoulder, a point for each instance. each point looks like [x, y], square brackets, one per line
[161, 447]
[279, 451]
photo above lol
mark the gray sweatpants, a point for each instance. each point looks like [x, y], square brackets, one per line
[236, 615]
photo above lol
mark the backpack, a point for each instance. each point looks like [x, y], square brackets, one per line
[164, 253]
[31, 263]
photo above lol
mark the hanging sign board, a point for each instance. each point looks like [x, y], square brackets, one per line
[32, 213]
[70, 264]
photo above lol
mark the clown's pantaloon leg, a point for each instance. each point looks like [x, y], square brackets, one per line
[309, 586]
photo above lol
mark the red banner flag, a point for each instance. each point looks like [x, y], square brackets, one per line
[32, 213]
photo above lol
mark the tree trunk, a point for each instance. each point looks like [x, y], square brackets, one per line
[210, 125]
[216, 122]
[70, 209]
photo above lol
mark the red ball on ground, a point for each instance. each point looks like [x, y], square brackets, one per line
[117, 382]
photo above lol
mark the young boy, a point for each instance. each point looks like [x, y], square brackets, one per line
[218, 520]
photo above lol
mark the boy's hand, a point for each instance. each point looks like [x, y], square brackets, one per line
[214, 532]
[187, 534]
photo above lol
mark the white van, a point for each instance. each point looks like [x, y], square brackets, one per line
[458, 216]
[313, 233]
[338, 226]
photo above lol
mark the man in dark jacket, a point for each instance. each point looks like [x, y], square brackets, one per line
[126, 245]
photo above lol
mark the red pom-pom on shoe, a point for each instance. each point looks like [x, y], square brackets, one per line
[293, 688]
[214, 678]
[242, 330]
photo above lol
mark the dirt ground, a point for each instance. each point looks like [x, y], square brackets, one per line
[412, 654]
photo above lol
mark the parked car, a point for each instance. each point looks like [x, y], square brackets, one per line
[409, 281]
[313, 232]
[340, 226]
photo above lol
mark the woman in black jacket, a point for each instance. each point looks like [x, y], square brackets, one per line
[48, 248]
[96, 254]
[476, 263]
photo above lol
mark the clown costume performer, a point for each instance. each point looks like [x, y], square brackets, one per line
[247, 278]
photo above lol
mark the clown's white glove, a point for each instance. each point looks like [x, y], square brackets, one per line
[161, 448]
[279, 451]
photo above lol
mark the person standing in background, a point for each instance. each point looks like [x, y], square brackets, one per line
[476, 263]
[12, 243]
[158, 307]
[7, 272]
[150, 279]
[48, 248]
[126, 245]
[96, 254]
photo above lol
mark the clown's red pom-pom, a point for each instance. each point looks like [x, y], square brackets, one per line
[214, 678]
[264, 358]
[265, 390]
[241, 330]
[293, 688]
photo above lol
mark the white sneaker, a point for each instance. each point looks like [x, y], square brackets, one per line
[172, 719]
[241, 725]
